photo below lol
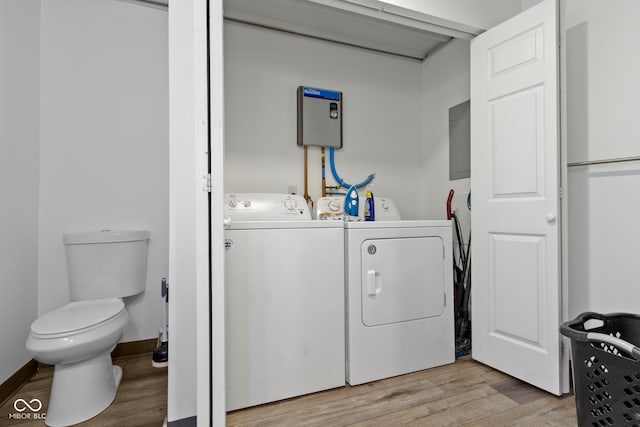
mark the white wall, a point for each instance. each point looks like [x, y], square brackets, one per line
[601, 121]
[19, 145]
[104, 139]
[482, 14]
[382, 114]
[445, 83]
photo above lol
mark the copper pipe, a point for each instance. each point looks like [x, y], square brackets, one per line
[306, 176]
[324, 181]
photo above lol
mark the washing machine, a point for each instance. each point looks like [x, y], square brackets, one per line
[284, 300]
[399, 294]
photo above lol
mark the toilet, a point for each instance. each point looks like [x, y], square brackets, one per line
[103, 267]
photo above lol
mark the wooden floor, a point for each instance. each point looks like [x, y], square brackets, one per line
[141, 398]
[462, 394]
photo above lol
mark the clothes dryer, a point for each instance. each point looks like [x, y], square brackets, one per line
[399, 287]
[284, 300]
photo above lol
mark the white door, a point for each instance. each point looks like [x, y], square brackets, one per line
[196, 368]
[516, 296]
[215, 408]
[398, 285]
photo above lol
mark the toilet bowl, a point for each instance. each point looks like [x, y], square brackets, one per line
[78, 339]
[103, 267]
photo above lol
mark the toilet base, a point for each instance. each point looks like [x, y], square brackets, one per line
[82, 390]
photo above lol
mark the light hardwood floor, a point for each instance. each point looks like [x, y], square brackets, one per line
[466, 393]
[141, 398]
[462, 394]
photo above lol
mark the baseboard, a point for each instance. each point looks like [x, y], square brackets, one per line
[123, 349]
[184, 422]
[15, 381]
[134, 348]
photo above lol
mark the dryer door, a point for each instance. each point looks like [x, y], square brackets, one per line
[402, 279]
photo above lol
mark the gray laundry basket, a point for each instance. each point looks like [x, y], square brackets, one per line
[606, 368]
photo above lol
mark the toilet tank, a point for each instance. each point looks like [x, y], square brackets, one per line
[106, 264]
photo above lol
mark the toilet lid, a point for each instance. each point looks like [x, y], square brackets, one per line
[76, 316]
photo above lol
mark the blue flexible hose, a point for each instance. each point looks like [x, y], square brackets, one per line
[339, 180]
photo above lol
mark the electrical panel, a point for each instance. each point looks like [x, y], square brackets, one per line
[460, 141]
[319, 117]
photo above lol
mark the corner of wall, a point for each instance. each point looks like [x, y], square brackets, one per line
[445, 83]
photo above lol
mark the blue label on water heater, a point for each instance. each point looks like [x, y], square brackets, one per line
[320, 93]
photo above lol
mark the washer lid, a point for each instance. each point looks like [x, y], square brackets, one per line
[76, 316]
[273, 225]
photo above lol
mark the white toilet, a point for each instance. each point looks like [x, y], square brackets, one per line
[78, 338]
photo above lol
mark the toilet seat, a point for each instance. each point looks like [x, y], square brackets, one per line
[76, 317]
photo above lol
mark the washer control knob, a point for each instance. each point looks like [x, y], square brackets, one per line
[290, 204]
[334, 205]
[247, 203]
[385, 206]
[233, 203]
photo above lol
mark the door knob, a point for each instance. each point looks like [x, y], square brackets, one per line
[550, 217]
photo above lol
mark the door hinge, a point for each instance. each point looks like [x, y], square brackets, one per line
[164, 288]
[207, 186]
[561, 192]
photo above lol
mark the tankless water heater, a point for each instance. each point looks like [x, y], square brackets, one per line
[319, 117]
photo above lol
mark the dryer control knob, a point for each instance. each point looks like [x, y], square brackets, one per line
[247, 204]
[334, 206]
[233, 203]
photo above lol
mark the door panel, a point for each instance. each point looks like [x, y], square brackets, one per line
[520, 50]
[515, 170]
[402, 280]
[517, 143]
[514, 287]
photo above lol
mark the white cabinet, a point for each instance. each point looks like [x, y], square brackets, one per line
[370, 24]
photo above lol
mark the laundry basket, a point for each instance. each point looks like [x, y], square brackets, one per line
[606, 368]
